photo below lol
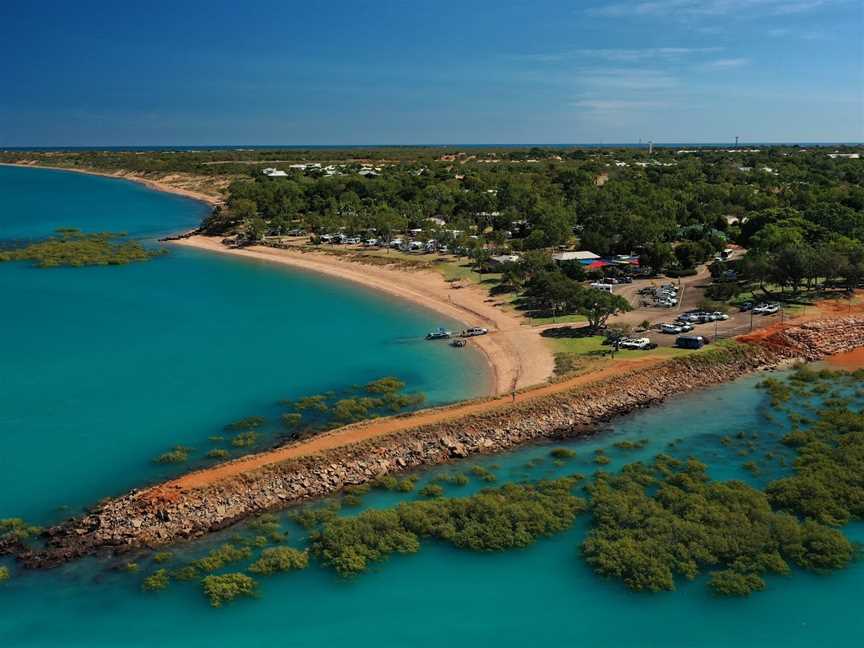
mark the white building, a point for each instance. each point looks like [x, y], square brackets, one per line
[581, 255]
[274, 173]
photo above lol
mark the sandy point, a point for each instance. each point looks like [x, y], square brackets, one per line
[516, 354]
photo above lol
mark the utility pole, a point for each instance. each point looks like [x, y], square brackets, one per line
[736, 141]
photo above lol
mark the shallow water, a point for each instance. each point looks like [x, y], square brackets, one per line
[104, 368]
[541, 596]
[96, 391]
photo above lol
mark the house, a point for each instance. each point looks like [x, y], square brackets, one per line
[582, 256]
[274, 173]
[439, 222]
[848, 156]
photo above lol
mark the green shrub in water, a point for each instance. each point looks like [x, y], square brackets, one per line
[432, 490]
[156, 581]
[228, 587]
[279, 559]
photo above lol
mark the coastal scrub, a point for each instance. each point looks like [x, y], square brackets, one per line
[655, 522]
[71, 247]
[228, 587]
[279, 559]
[513, 516]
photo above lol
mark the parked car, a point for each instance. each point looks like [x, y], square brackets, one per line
[746, 306]
[672, 329]
[720, 316]
[639, 344]
[766, 309]
[685, 327]
[690, 342]
[474, 331]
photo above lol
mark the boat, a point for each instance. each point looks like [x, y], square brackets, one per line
[439, 334]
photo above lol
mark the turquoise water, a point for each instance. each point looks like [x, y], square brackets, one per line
[92, 398]
[105, 368]
[542, 596]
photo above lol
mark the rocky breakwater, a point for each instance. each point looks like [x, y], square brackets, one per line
[818, 339]
[166, 514]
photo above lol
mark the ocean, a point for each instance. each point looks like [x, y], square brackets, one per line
[104, 367]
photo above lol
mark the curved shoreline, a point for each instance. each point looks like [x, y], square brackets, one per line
[155, 185]
[516, 354]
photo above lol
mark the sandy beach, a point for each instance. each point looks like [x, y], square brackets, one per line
[516, 354]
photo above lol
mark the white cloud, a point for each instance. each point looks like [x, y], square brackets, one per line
[706, 8]
[626, 79]
[662, 53]
[618, 105]
[618, 55]
[726, 64]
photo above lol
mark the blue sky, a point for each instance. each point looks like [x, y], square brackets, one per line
[438, 72]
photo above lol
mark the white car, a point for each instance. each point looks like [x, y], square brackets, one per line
[474, 331]
[766, 309]
[634, 343]
[685, 327]
[672, 329]
[720, 316]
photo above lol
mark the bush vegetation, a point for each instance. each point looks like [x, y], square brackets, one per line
[158, 580]
[218, 557]
[71, 247]
[17, 530]
[228, 587]
[653, 523]
[492, 520]
[177, 455]
[279, 559]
